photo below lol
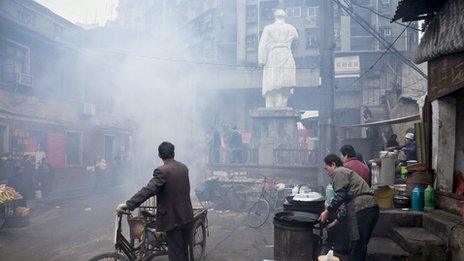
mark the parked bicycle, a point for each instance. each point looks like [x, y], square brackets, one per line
[234, 197]
[271, 200]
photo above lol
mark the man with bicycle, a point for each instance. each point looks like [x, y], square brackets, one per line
[171, 186]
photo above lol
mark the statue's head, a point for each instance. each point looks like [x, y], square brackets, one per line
[280, 14]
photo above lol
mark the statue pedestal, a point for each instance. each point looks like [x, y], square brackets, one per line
[275, 134]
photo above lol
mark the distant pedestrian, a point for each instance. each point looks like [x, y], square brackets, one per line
[410, 147]
[6, 167]
[100, 172]
[236, 145]
[350, 161]
[29, 176]
[392, 143]
[46, 177]
[17, 181]
[116, 170]
[215, 145]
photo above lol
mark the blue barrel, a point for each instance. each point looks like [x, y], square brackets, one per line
[417, 199]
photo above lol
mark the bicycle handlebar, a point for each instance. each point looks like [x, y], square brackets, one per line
[125, 212]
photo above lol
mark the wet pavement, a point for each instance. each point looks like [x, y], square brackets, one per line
[79, 227]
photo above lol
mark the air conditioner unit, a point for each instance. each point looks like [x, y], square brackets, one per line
[89, 109]
[25, 79]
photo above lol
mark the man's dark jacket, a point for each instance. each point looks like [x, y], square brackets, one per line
[170, 184]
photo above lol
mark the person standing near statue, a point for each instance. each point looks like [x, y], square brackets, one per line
[275, 55]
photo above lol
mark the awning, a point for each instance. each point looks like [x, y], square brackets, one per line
[413, 10]
[444, 34]
[385, 122]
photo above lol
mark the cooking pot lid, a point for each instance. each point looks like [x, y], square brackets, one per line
[296, 217]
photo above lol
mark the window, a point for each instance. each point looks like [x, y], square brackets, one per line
[3, 139]
[385, 2]
[109, 148]
[295, 45]
[293, 11]
[313, 11]
[412, 37]
[268, 12]
[363, 2]
[251, 42]
[58, 29]
[14, 59]
[385, 31]
[26, 16]
[312, 38]
[27, 141]
[73, 149]
[251, 13]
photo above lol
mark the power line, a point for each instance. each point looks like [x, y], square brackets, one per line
[413, 83]
[380, 57]
[192, 61]
[383, 16]
[366, 26]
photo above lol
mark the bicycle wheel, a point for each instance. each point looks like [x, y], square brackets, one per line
[110, 256]
[258, 213]
[3, 215]
[198, 244]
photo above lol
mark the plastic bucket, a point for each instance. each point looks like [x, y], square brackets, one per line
[384, 196]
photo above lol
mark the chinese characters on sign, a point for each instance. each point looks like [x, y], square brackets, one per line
[347, 66]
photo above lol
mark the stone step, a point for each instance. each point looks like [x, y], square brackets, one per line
[384, 249]
[449, 228]
[440, 222]
[390, 218]
[420, 243]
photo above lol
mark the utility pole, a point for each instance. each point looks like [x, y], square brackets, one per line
[326, 51]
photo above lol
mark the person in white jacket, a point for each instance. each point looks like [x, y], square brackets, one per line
[275, 54]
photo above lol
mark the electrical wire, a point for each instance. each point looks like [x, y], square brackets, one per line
[380, 57]
[196, 62]
[366, 26]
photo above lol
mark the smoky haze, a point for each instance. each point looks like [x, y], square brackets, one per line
[146, 79]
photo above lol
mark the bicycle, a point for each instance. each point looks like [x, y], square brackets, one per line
[151, 243]
[270, 200]
[233, 197]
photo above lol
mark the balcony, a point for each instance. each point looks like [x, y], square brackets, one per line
[250, 157]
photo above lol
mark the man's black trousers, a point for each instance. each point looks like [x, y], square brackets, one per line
[178, 240]
[366, 219]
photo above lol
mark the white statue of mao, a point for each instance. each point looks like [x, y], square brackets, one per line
[275, 54]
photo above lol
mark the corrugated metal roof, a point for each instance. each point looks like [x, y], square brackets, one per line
[413, 10]
[445, 33]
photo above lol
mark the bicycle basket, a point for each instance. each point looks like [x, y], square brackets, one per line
[136, 227]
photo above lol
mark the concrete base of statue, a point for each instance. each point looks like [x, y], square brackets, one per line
[275, 134]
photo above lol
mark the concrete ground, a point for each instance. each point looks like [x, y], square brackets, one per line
[81, 226]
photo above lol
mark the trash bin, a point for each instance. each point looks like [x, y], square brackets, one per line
[293, 236]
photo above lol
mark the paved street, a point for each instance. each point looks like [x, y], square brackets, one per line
[80, 227]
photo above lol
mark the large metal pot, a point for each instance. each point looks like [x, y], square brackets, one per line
[293, 236]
